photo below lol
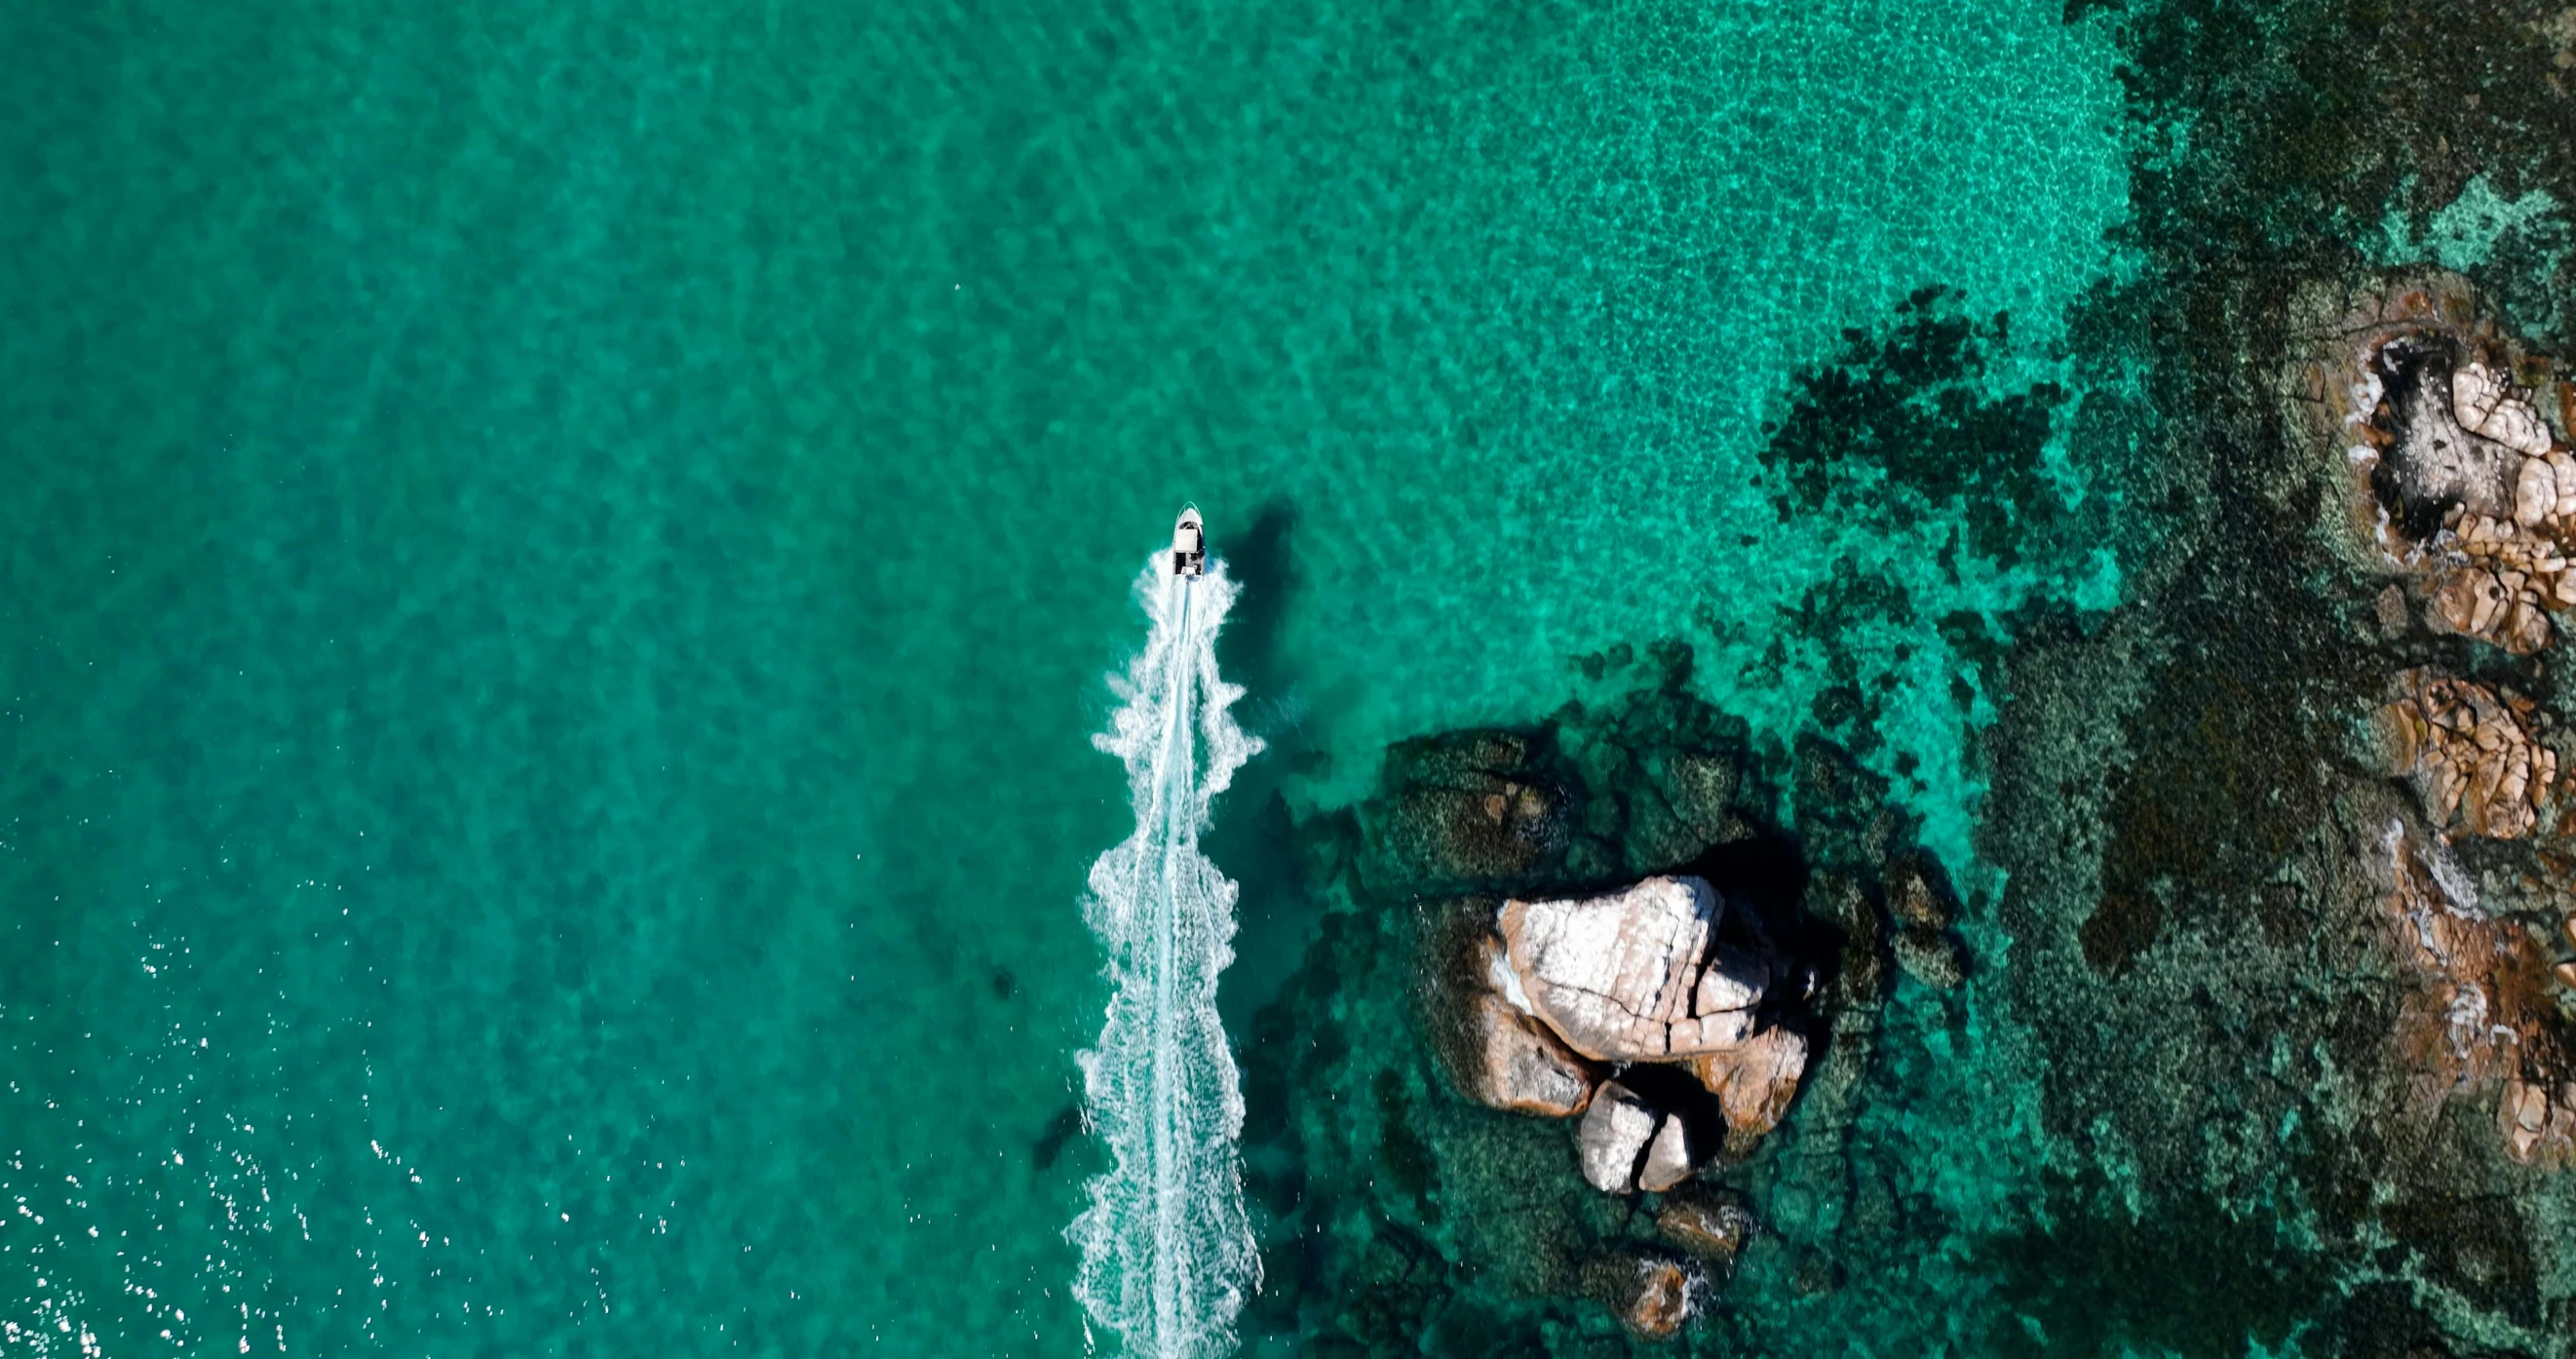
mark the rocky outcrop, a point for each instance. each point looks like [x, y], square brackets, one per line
[2461, 482]
[2481, 1004]
[1628, 941]
[1637, 976]
[1650, 1295]
[1530, 1000]
[2472, 761]
[2467, 492]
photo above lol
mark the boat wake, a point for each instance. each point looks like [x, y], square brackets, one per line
[1167, 1251]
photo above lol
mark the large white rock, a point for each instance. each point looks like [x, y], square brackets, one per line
[1633, 976]
[1614, 1134]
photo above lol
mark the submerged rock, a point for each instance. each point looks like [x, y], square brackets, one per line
[1650, 1295]
[1468, 810]
[1712, 1228]
[1637, 975]
[1915, 899]
[1931, 957]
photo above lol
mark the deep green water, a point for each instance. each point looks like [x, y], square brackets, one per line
[560, 563]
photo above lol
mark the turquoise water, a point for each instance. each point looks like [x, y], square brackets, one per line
[561, 565]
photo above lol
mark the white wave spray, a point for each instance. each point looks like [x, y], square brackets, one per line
[1167, 1251]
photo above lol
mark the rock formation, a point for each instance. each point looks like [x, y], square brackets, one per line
[1714, 1229]
[2466, 493]
[1614, 1136]
[1754, 1080]
[2467, 489]
[1530, 1000]
[1637, 976]
[2470, 757]
[1597, 919]
[2480, 1000]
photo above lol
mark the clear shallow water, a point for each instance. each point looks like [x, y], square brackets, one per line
[560, 568]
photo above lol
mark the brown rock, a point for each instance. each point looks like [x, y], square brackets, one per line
[2471, 602]
[1710, 1228]
[1523, 1067]
[1755, 1081]
[2523, 1115]
[1633, 976]
[2472, 761]
[1652, 1297]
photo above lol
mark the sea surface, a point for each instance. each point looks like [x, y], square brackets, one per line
[559, 563]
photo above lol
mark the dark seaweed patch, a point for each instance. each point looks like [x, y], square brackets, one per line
[2189, 1277]
[1912, 403]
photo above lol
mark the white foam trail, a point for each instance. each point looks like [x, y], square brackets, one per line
[1167, 1252]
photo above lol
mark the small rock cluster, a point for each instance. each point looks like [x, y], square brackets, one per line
[2480, 496]
[1659, 975]
[2467, 491]
[2462, 484]
[1604, 925]
[2479, 996]
[2469, 754]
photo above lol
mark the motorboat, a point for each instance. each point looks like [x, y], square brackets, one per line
[1189, 545]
